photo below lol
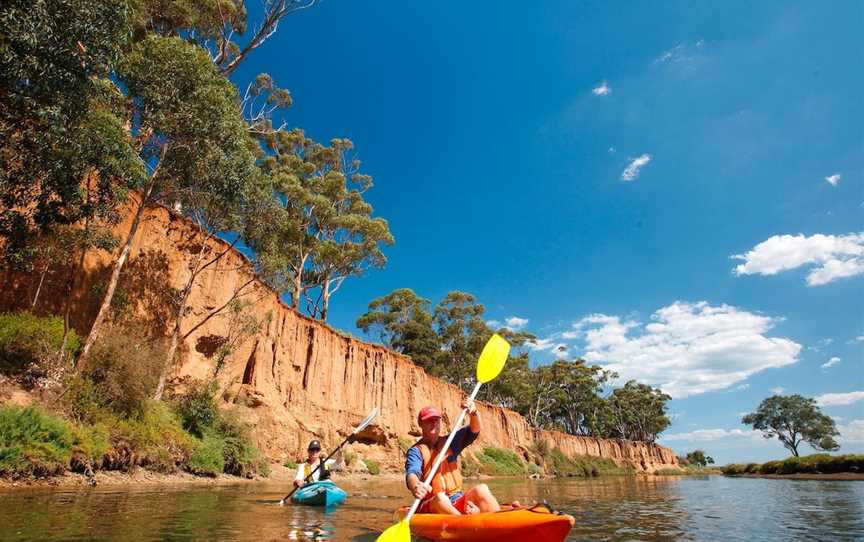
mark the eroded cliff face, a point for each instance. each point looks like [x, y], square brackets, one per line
[295, 378]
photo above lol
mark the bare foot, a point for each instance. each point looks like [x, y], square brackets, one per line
[515, 504]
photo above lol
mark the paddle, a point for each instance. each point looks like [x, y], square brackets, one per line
[366, 421]
[488, 368]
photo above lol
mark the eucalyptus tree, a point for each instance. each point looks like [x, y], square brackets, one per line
[794, 419]
[191, 133]
[402, 320]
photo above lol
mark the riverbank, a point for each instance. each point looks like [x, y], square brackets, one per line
[279, 474]
[819, 465]
[847, 476]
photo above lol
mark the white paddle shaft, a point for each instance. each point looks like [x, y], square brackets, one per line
[443, 452]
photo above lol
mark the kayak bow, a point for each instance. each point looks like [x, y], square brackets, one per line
[535, 524]
[324, 493]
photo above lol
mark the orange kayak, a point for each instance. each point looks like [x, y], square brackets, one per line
[535, 524]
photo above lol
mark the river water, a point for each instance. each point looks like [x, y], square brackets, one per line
[606, 508]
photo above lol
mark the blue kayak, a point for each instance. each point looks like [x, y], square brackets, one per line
[324, 493]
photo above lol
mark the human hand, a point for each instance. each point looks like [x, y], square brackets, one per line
[421, 490]
[471, 508]
[468, 404]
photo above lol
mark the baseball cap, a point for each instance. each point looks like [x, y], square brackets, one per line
[314, 445]
[428, 413]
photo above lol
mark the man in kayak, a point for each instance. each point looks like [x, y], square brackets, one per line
[313, 459]
[444, 495]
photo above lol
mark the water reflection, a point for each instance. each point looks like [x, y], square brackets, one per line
[614, 508]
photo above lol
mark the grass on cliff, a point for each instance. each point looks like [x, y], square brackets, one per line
[808, 464]
[106, 419]
[687, 470]
[561, 465]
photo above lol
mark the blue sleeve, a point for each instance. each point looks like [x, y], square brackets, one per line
[464, 437]
[413, 463]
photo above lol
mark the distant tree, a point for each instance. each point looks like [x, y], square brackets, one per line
[698, 458]
[794, 419]
[402, 320]
[463, 333]
[636, 412]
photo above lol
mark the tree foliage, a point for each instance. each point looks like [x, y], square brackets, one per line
[699, 458]
[794, 419]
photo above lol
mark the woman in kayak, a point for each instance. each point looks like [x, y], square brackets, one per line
[444, 495]
[304, 470]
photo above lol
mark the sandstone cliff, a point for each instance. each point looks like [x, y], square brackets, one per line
[295, 378]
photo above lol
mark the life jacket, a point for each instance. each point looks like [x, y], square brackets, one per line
[323, 472]
[449, 476]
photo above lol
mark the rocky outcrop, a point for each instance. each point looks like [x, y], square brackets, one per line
[295, 378]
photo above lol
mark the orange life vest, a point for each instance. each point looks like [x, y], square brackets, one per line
[449, 476]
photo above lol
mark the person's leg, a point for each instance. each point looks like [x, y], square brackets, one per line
[440, 504]
[483, 498]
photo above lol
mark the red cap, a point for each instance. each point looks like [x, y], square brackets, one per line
[428, 413]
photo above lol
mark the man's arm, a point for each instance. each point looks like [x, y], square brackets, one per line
[413, 471]
[299, 477]
[473, 416]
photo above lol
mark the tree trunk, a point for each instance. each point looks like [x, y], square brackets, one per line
[325, 300]
[39, 287]
[118, 266]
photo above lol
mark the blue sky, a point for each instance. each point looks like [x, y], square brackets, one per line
[592, 168]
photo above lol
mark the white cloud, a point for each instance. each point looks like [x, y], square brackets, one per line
[550, 344]
[611, 150]
[778, 390]
[494, 324]
[688, 348]
[515, 323]
[860, 338]
[634, 167]
[743, 386]
[602, 89]
[710, 435]
[830, 363]
[833, 179]
[839, 399]
[832, 256]
[682, 52]
[851, 432]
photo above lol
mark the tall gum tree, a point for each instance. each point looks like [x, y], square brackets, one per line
[192, 134]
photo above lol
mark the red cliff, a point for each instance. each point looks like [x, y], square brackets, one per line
[296, 377]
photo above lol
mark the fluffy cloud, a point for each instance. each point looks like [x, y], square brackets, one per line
[840, 399]
[778, 390]
[515, 323]
[688, 348]
[830, 363]
[602, 89]
[833, 179]
[709, 435]
[634, 167]
[549, 344]
[851, 432]
[832, 257]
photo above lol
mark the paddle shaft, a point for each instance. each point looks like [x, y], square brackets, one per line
[442, 453]
[288, 496]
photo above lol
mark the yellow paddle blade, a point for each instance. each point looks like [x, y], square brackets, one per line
[492, 358]
[400, 532]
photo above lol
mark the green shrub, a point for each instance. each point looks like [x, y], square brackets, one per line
[290, 463]
[197, 407]
[534, 470]
[27, 339]
[469, 467]
[124, 366]
[500, 462]
[208, 457]
[349, 457]
[560, 464]
[154, 439]
[405, 444]
[242, 457]
[372, 466]
[808, 464]
[33, 443]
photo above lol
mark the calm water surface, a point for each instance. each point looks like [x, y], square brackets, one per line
[610, 508]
